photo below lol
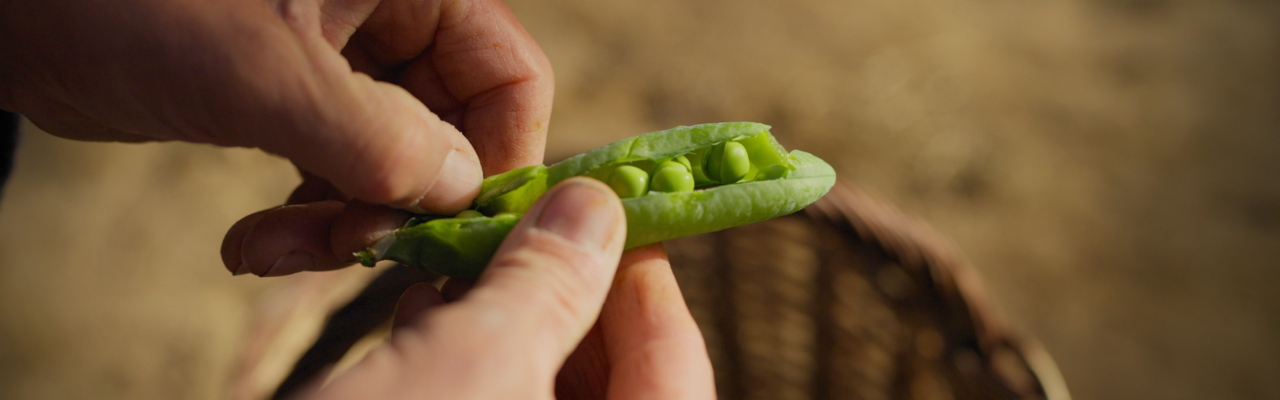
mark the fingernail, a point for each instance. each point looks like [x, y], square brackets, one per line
[581, 213]
[294, 262]
[241, 270]
[457, 185]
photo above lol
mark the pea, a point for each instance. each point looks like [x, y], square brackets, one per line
[672, 177]
[469, 214]
[774, 172]
[673, 163]
[695, 159]
[727, 162]
[629, 181]
[713, 157]
[685, 162]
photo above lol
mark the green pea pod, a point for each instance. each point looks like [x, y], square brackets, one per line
[777, 183]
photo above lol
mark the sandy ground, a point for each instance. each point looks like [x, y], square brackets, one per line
[1112, 167]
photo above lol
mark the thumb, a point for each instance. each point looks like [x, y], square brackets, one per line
[507, 337]
[378, 143]
[556, 265]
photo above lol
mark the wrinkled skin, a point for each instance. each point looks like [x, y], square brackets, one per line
[401, 103]
[420, 96]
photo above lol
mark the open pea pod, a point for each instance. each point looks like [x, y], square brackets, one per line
[737, 172]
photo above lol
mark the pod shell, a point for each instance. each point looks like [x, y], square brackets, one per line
[450, 246]
[663, 216]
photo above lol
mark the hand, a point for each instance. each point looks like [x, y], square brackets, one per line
[507, 337]
[362, 95]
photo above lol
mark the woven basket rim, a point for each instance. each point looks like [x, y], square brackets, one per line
[918, 247]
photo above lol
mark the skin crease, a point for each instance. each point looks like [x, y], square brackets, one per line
[403, 103]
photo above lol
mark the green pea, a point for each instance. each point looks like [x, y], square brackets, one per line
[469, 214]
[696, 160]
[727, 162]
[684, 161]
[672, 177]
[629, 181]
[774, 172]
[673, 163]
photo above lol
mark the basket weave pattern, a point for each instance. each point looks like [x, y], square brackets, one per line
[850, 299]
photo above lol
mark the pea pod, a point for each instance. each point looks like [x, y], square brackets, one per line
[773, 184]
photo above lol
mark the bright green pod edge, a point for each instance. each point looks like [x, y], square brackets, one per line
[779, 183]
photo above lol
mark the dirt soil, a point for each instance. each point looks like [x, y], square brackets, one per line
[1111, 167]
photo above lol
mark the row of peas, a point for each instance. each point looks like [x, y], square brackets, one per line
[722, 164]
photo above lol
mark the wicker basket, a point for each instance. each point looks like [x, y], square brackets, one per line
[849, 299]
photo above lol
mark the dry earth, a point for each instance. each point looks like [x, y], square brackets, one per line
[1112, 167]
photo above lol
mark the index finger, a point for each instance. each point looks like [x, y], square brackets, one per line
[654, 347]
[488, 60]
[472, 63]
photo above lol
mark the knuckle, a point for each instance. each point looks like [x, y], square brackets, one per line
[383, 171]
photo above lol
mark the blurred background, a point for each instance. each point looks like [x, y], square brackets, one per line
[1112, 169]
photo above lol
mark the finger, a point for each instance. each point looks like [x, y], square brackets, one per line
[414, 303]
[285, 240]
[653, 345]
[372, 140]
[422, 79]
[384, 147]
[360, 226]
[394, 32]
[303, 227]
[233, 242]
[470, 62]
[339, 19]
[455, 288]
[313, 189]
[585, 374]
[553, 270]
[487, 60]
[62, 120]
[347, 325]
[509, 335]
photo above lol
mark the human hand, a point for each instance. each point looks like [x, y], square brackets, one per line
[374, 121]
[507, 337]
